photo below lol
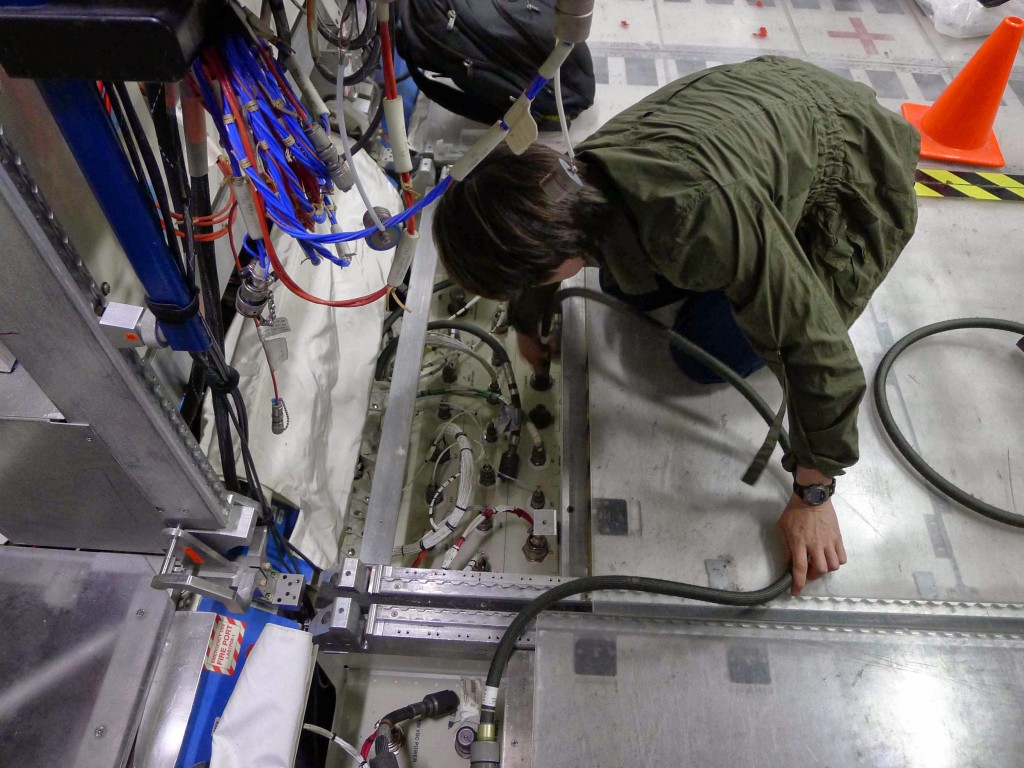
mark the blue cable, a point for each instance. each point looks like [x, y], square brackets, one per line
[536, 87]
[272, 128]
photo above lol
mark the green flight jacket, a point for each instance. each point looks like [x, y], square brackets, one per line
[786, 187]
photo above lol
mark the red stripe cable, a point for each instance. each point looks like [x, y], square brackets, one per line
[391, 92]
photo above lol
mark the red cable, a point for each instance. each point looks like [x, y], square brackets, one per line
[367, 745]
[388, 62]
[419, 559]
[282, 274]
[524, 515]
[285, 88]
[391, 92]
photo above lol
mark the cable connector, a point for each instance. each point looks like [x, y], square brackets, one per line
[337, 168]
[381, 240]
[279, 419]
[573, 19]
[253, 290]
[484, 754]
[387, 760]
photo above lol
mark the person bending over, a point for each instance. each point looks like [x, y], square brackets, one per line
[772, 197]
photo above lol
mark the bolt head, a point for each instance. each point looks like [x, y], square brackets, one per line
[140, 613]
[98, 733]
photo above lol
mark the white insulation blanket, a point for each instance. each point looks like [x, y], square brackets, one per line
[325, 382]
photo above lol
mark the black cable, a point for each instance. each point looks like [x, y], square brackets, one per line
[155, 180]
[903, 446]
[686, 346]
[508, 641]
[371, 128]
[120, 123]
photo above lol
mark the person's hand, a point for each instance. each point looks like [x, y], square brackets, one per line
[534, 352]
[814, 544]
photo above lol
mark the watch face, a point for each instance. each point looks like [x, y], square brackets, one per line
[815, 495]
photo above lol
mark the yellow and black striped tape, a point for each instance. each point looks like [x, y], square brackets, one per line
[930, 182]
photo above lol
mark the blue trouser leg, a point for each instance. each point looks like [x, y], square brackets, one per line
[707, 320]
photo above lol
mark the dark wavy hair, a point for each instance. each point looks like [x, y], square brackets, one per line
[498, 232]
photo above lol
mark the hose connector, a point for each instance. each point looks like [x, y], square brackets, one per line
[337, 169]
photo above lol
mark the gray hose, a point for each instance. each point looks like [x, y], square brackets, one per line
[903, 446]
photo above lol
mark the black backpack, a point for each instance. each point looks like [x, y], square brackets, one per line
[491, 50]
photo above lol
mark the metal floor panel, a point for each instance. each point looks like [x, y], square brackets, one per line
[675, 451]
[649, 692]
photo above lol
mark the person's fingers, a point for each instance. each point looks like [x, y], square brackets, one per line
[832, 558]
[841, 551]
[799, 569]
[819, 565]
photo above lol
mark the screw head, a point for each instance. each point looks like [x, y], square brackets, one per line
[98, 733]
[351, 551]
[140, 613]
[105, 288]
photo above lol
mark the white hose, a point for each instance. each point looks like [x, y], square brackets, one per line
[339, 110]
[561, 117]
[352, 751]
[462, 498]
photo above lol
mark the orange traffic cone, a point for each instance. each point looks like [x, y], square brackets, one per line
[958, 126]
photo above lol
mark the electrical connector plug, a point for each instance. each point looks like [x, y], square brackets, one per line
[387, 760]
[484, 754]
[509, 464]
[278, 415]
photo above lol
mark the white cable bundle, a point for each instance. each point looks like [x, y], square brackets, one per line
[462, 498]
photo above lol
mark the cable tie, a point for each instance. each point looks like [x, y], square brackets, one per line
[289, 141]
[449, 526]
[228, 119]
[251, 106]
[174, 314]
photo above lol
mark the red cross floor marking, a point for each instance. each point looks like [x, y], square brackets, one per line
[867, 39]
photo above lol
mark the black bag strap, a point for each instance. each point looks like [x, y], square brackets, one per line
[453, 99]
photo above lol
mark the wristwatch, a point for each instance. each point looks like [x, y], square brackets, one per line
[816, 494]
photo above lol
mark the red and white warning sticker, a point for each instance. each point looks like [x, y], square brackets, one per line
[225, 645]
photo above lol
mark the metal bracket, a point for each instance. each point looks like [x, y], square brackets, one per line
[339, 626]
[350, 579]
